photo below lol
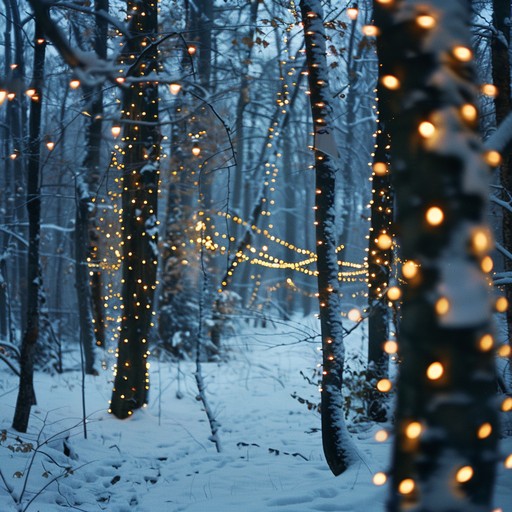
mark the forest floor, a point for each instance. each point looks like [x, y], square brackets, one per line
[161, 458]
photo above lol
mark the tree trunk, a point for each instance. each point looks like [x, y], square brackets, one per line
[500, 47]
[26, 396]
[446, 421]
[379, 268]
[336, 442]
[87, 271]
[139, 181]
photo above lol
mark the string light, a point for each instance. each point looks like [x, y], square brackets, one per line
[493, 158]
[384, 385]
[379, 478]
[469, 112]
[434, 216]
[426, 129]
[413, 430]
[406, 486]
[174, 88]
[426, 21]
[74, 84]
[501, 304]
[435, 371]
[390, 82]
[50, 145]
[390, 347]
[484, 431]
[394, 293]
[116, 131]
[486, 343]
[381, 436]
[462, 53]
[464, 474]
[352, 13]
[506, 405]
[409, 269]
[489, 90]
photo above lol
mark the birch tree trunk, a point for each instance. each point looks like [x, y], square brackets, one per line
[336, 442]
[446, 420]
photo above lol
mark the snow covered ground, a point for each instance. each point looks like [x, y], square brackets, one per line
[161, 459]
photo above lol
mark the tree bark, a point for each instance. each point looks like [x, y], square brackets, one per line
[26, 395]
[336, 442]
[139, 182]
[500, 58]
[379, 269]
[446, 421]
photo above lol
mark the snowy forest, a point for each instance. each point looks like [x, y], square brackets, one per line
[255, 255]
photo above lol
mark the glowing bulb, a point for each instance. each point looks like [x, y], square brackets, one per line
[74, 84]
[506, 405]
[413, 430]
[380, 168]
[435, 371]
[394, 293]
[442, 306]
[469, 112]
[11, 96]
[501, 304]
[406, 486]
[390, 82]
[196, 150]
[30, 92]
[3, 95]
[487, 264]
[486, 343]
[174, 88]
[409, 269]
[13, 156]
[462, 53]
[390, 347]
[352, 13]
[484, 431]
[384, 385]
[464, 474]
[493, 158]
[192, 50]
[480, 240]
[379, 478]
[50, 145]
[354, 315]
[434, 216]
[508, 462]
[426, 21]
[116, 130]
[381, 436]
[505, 351]
[489, 90]
[426, 129]
[370, 31]
[384, 242]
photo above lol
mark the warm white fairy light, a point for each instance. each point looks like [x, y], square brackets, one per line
[464, 474]
[435, 371]
[434, 216]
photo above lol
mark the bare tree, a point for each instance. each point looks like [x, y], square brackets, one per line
[26, 394]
